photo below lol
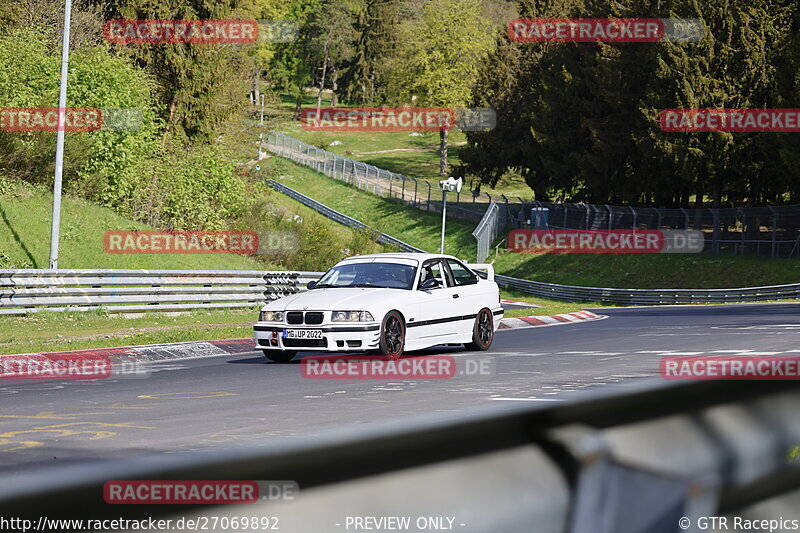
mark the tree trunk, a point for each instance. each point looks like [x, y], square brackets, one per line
[298, 105]
[256, 87]
[443, 166]
[334, 86]
[322, 80]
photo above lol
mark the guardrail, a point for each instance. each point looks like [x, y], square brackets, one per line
[574, 293]
[25, 291]
[629, 458]
[650, 296]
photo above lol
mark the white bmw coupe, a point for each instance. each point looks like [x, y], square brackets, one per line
[386, 302]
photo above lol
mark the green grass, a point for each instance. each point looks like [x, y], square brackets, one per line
[421, 229]
[46, 332]
[25, 238]
[413, 226]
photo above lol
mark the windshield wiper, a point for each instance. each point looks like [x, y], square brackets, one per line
[323, 286]
[367, 285]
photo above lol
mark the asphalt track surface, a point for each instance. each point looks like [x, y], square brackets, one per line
[243, 399]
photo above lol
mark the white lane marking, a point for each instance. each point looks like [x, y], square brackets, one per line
[762, 353]
[528, 399]
[655, 351]
[686, 353]
[731, 351]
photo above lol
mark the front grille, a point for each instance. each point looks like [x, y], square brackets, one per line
[296, 317]
[305, 343]
[313, 318]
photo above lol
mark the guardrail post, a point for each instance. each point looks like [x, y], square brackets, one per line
[744, 220]
[390, 184]
[428, 205]
[586, 220]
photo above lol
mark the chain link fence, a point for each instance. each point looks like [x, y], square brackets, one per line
[756, 231]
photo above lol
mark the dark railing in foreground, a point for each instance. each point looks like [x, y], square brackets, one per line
[635, 457]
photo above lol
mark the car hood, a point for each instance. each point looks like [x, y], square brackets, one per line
[343, 299]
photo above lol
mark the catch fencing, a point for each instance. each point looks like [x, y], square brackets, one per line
[418, 193]
[771, 231]
[25, 291]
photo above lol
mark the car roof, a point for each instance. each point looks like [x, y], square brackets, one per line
[400, 255]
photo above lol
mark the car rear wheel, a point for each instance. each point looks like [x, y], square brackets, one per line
[279, 356]
[482, 331]
[393, 335]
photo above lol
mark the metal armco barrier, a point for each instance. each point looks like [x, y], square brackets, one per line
[650, 296]
[575, 293]
[632, 458]
[24, 291]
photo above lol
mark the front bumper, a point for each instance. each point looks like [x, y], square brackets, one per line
[335, 338]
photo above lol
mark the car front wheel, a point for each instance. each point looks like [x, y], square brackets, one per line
[482, 331]
[393, 335]
[279, 356]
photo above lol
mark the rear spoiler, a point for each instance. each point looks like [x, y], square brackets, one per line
[484, 270]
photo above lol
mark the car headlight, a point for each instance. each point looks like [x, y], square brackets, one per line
[271, 316]
[352, 316]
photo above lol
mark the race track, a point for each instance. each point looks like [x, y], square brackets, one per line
[242, 399]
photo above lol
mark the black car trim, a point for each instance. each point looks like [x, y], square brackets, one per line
[440, 320]
[327, 329]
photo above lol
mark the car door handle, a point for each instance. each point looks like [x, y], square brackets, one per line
[455, 296]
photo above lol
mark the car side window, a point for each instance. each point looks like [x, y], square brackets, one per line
[461, 274]
[433, 270]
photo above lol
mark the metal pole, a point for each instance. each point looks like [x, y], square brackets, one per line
[261, 135]
[62, 104]
[444, 213]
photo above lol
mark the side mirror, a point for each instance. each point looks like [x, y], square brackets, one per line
[430, 283]
[310, 284]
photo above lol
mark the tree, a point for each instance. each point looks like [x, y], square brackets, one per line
[438, 56]
[375, 28]
[200, 85]
[330, 35]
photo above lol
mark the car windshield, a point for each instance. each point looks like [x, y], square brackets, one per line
[383, 275]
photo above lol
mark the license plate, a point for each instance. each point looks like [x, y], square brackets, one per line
[302, 334]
